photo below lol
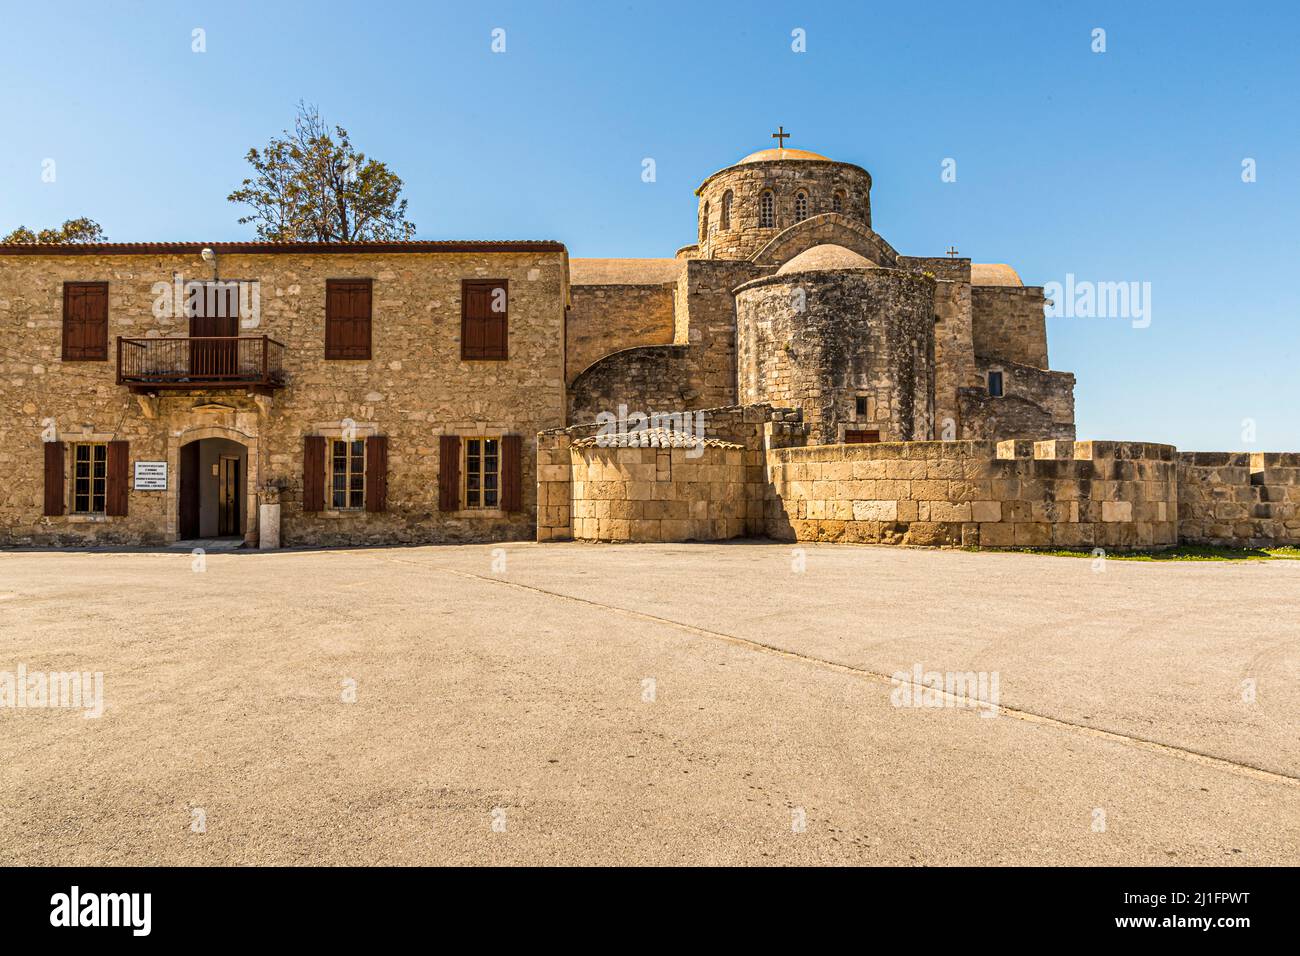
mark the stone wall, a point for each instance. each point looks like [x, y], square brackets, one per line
[604, 319]
[413, 389]
[1036, 403]
[698, 371]
[1114, 495]
[822, 340]
[1008, 323]
[819, 180]
[658, 494]
[1242, 499]
[954, 353]
[752, 428]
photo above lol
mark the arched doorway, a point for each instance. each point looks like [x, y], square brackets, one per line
[213, 494]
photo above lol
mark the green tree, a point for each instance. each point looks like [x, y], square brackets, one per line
[72, 230]
[312, 185]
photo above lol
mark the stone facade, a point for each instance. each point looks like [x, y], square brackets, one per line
[831, 341]
[1113, 495]
[981, 315]
[414, 388]
[1248, 499]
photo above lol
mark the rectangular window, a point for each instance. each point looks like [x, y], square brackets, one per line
[860, 406]
[347, 318]
[89, 478]
[85, 321]
[995, 384]
[484, 319]
[482, 472]
[347, 474]
[861, 437]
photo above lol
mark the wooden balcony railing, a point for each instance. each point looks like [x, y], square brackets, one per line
[252, 361]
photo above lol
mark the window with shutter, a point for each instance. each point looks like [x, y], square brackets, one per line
[89, 477]
[377, 473]
[53, 477]
[116, 485]
[449, 473]
[313, 473]
[484, 319]
[85, 321]
[347, 318]
[511, 472]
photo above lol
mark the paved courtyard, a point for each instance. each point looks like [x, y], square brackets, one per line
[650, 704]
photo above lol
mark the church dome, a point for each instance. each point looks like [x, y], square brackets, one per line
[826, 258]
[765, 155]
[993, 273]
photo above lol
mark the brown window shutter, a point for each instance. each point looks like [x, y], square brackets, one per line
[449, 473]
[53, 477]
[347, 318]
[85, 321]
[116, 484]
[377, 473]
[511, 473]
[484, 334]
[313, 473]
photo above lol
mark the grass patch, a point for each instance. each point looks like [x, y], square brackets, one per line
[1187, 552]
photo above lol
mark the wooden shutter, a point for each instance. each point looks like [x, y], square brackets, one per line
[484, 334]
[511, 473]
[53, 477]
[313, 473]
[347, 318]
[117, 468]
[85, 321]
[377, 473]
[449, 473]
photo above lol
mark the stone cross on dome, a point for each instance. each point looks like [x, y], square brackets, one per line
[780, 136]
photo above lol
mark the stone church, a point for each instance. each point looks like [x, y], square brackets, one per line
[790, 297]
[789, 374]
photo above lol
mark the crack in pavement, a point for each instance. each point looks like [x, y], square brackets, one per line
[1028, 716]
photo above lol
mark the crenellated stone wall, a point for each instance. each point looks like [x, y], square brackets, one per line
[1243, 499]
[1113, 495]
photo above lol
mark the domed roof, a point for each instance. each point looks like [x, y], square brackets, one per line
[765, 155]
[993, 273]
[826, 258]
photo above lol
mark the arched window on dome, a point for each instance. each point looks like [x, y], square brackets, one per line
[704, 223]
[800, 206]
[726, 210]
[837, 201]
[766, 210]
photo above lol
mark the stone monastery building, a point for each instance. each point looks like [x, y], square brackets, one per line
[790, 375]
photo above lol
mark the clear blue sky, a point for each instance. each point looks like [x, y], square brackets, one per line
[1122, 166]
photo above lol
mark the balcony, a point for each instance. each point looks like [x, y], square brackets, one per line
[250, 362]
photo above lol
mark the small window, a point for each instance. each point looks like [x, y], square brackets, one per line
[484, 320]
[347, 318]
[861, 436]
[800, 207]
[995, 384]
[89, 478]
[85, 321]
[837, 202]
[482, 472]
[860, 406]
[766, 210]
[726, 210]
[704, 223]
[347, 474]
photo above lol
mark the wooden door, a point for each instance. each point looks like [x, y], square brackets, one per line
[189, 509]
[216, 314]
[228, 497]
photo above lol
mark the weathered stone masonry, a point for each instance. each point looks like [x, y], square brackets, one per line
[414, 388]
